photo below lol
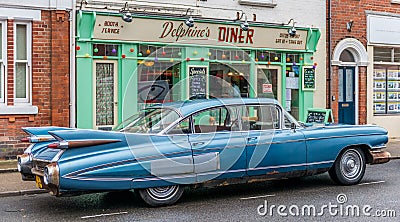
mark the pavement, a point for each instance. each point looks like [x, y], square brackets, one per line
[11, 183]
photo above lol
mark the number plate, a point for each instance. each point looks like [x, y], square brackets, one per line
[39, 182]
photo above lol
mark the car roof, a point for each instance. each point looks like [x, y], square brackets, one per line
[190, 106]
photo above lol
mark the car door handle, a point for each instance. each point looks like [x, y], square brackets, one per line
[198, 143]
[252, 139]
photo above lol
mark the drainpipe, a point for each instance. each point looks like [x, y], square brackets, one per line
[329, 56]
[72, 77]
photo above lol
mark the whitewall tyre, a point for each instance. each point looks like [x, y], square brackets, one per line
[161, 196]
[349, 167]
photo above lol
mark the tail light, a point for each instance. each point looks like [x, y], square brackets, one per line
[25, 140]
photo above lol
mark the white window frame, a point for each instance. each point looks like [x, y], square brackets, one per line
[264, 3]
[28, 61]
[3, 64]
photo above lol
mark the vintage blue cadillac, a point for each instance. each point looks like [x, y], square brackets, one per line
[197, 143]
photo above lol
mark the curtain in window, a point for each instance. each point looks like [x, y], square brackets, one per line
[104, 94]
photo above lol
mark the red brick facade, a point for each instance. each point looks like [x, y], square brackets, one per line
[50, 80]
[343, 11]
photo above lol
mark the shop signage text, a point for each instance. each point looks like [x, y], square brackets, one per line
[157, 30]
[235, 35]
[181, 31]
[110, 27]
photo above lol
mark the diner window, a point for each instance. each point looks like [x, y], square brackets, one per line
[268, 56]
[159, 52]
[22, 61]
[229, 80]
[2, 57]
[105, 50]
[230, 55]
[158, 81]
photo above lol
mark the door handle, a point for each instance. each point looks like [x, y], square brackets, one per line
[252, 139]
[198, 143]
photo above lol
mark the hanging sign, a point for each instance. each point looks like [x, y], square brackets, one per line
[197, 80]
[308, 78]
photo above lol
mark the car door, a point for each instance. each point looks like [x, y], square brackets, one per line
[218, 145]
[272, 147]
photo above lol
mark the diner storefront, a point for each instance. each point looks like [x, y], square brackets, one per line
[124, 66]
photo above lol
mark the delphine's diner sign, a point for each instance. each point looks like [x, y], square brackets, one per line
[172, 31]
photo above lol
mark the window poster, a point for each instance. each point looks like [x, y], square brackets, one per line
[386, 95]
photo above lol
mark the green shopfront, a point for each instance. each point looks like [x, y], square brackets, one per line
[122, 67]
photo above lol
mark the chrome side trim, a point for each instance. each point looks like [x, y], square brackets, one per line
[379, 147]
[345, 136]
[192, 175]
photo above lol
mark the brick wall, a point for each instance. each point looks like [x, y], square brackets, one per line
[50, 80]
[343, 11]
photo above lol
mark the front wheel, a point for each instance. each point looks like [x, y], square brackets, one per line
[161, 196]
[349, 167]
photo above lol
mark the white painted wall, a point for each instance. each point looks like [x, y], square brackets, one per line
[37, 4]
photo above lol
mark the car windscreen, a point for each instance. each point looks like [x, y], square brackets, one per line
[151, 120]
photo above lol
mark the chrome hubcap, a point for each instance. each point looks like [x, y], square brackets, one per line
[162, 193]
[351, 164]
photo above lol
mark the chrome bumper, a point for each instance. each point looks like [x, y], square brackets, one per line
[24, 167]
[380, 156]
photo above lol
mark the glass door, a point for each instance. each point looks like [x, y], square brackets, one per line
[268, 82]
[105, 86]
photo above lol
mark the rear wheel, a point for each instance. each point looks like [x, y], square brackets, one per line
[161, 196]
[349, 167]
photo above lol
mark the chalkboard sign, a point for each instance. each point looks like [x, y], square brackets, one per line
[197, 80]
[308, 78]
[316, 117]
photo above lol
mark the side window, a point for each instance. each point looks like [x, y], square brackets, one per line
[215, 120]
[182, 127]
[259, 117]
[288, 122]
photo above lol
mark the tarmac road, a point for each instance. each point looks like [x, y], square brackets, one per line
[378, 191]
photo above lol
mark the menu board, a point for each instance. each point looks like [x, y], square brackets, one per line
[308, 78]
[386, 94]
[197, 80]
[316, 117]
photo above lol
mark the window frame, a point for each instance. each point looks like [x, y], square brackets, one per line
[28, 62]
[386, 91]
[3, 63]
[279, 116]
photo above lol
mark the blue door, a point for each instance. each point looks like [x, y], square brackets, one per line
[272, 147]
[346, 95]
[218, 145]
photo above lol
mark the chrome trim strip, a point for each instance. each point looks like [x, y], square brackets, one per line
[345, 136]
[379, 147]
[72, 174]
[40, 160]
[97, 178]
[292, 165]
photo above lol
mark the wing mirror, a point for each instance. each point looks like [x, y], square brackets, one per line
[293, 126]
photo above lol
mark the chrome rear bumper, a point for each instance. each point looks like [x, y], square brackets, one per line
[380, 156]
